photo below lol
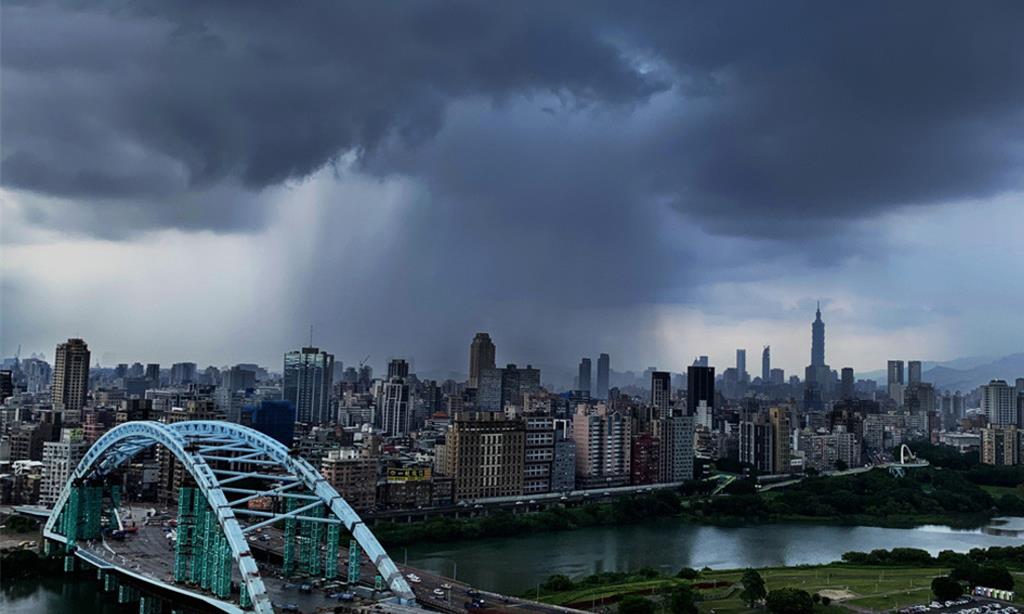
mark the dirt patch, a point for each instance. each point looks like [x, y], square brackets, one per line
[838, 594]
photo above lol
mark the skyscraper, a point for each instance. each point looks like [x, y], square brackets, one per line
[153, 374]
[700, 388]
[183, 373]
[998, 402]
[895, 372]
[398, 367]
[602, 376]
[741, 365]
[913, 372]
[308, 375]
[481, 356]
[766, 365]
[661, 393]
[818, 340]
[395, 406]
[584, 376]
[71, 375]
[846, 383]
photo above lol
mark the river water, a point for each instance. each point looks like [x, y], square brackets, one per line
[517, 564]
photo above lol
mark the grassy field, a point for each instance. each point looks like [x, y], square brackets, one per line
[877, 588]
[999, 491]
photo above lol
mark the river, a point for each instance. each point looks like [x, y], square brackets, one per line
[517, 564]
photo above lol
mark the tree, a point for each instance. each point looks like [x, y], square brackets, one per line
[994, 576]
[557, 583]
[789, 601]
[753, 587]
[631, 604]
[946, 589]
[683, 600]
[841, 465]
[688, 573]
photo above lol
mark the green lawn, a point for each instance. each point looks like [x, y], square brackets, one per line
[880, 588]
[999, 491]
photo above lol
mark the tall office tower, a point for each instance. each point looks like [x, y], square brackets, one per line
[398, 367]
[38, 374]
[817, 340]
[778, 377]
[766, 365]
[895, 372]
[121, 370]
[308, 375]
[913, 372]
[741, 365]
[71, 375]
[500, 387]
[700, 389]
[701, 361]
[1019, 386]
[153, 374]
[183, 373]
[481, 356]
[136, 370]
[661, 393]
[999, 403]
[60, 458]
[583, 381]
[395, 407]
[603, 440]
[846, 384]
[602, 377]
[778, 417]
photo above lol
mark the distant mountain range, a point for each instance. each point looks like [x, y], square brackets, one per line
[964, 374]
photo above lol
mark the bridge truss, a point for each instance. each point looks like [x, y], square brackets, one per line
[231, 465]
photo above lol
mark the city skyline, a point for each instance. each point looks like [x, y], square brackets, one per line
[622, 201]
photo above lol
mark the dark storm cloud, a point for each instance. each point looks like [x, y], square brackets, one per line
[804, 112]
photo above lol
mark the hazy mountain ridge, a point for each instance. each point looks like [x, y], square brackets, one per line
[964, 374]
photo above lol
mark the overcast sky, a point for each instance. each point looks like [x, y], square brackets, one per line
[203, 180]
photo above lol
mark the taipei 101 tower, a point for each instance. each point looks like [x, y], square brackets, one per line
[818, 340]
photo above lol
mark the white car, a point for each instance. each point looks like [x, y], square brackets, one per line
[439, 592]
[446, 586]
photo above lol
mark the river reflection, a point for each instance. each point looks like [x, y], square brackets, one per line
[517, 564]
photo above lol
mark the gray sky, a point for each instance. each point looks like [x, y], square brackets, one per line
[201, 181]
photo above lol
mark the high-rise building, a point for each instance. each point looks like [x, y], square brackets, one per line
[701, 361]
[999, 403]
[846, 383]
[153, 374]
[398, 367]
[766, 365]
[778, 377]
[675, 435]
[603, 440]
[661, 393]
[6, 385]
[603, 366]
[484, 454]
[913, 372]
[741, 365]
[757, 446]
[308, 377]
[183, 373]
[583, 379]
[395, 407]
[895, 372]
[778, 417]
[818, 340]
[499, 387]
[1001, 445]
[71, 375]
[700, 388]
[60, 458]
[481, 356]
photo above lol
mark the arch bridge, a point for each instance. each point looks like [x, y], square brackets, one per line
[231, 465]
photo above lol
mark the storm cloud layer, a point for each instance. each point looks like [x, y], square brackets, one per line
[553, 161]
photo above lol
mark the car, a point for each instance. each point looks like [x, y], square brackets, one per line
[438, 592]
[446, 586]
[472, 592]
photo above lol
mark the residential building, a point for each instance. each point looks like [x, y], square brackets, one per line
[354, 475]
[60, 458]
[484, 454]
[71, 375]
[308, 375]
[602, 439]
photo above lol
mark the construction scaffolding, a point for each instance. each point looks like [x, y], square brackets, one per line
[69, 517]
